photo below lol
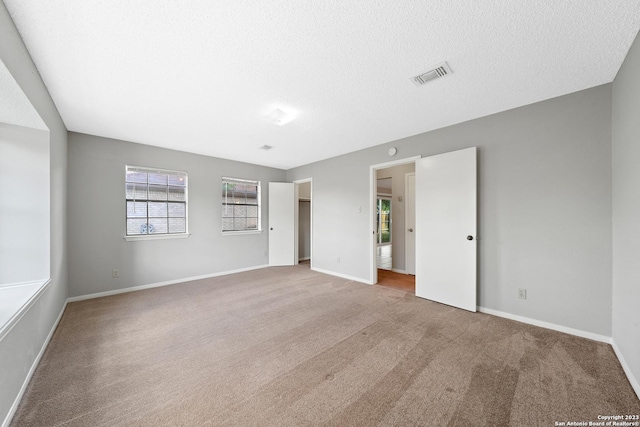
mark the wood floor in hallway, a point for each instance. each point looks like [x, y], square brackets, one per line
[391, 279]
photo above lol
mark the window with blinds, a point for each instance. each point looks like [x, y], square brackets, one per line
[240, 205]
[156, 201]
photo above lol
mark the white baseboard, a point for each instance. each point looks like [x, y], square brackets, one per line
[34, 365]
[304, 259]
[552, 326]
[627, 370]
[344, 276]
[397, 270]
[159, 284]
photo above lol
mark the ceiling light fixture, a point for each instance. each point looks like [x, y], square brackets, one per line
[281, 118]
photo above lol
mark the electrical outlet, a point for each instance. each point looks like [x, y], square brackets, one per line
[522, 293]
[338, 260]
[115, 274]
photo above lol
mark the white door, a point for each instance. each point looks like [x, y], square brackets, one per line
[410, 223]
[446, 228]
[282, 224]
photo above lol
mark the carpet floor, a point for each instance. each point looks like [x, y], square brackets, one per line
[287, 346]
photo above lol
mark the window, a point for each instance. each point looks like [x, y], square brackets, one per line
[156, 201]
[240, 205]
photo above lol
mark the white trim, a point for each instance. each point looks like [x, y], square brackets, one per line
[343, 276]
[304, 259]
[159, 284]
[239, 232]
[397, 270]
[34, 365]
[373, 190]
[156, 237]
[13, 320]
[627, 370]
[547, 325]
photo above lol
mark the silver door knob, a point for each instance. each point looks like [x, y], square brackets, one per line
[411, 230]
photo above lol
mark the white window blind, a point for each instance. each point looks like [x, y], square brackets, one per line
[156, 201]
[240, 205]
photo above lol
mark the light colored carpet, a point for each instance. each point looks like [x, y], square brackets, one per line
[287, 346]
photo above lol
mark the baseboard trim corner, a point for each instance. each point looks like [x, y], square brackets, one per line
[160, 284]
[627, 370]
[547, 325]
[32, 370]
[343, 276]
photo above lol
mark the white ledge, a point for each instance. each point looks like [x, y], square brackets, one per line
[235, 233]
[15, 301]
[156, 237]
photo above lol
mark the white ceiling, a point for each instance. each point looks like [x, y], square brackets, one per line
[15, 107]
[202, 75]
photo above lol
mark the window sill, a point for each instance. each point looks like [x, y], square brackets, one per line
[235, 233]
[156, 237]
[15, 301]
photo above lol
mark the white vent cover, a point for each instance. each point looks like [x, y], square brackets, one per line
[266, 147]
[436, 72]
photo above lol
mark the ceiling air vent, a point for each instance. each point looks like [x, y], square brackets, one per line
[432, 74]
[266, 147]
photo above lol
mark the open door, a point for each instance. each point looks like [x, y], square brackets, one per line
[283, 224]
[446, 228]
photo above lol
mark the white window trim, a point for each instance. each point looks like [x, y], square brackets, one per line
[232, 233]
[156, 236]
[136, 237]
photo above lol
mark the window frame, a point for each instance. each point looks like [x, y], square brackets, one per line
[157, 236]
[258, 184]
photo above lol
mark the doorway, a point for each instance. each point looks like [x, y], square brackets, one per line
[388, 220]
[290, 231]
[304, 222]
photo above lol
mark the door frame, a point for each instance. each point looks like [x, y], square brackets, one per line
[406, 234]
[373, 196]
[297, 237]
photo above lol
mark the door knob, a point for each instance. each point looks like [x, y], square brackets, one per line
[469, 237]
[411, 230]
[271, 228]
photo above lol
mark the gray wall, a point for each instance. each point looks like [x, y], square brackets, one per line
[24, 204]
[22, 344]
[626, 210]
[544, 203]
[97, 224]
[397, 175]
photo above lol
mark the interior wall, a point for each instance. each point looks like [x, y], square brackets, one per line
[24, 204]
[544, 207]
[626, 211]
[97, 222]
[20, 347]
[304, 229]
[398, 248]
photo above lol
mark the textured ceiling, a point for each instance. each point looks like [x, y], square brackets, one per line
[15, 108]
[202, 76]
